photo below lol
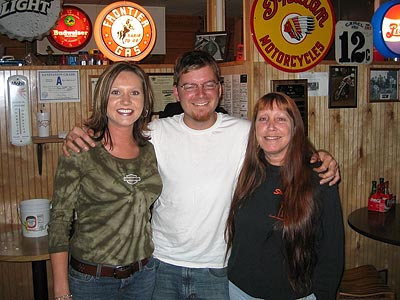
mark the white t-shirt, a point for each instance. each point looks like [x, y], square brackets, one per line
[199, 169]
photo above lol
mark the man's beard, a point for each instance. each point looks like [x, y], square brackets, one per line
[201, 115]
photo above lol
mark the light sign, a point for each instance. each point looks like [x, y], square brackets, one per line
[386, 28]
[72, 31]
[125, 31]
[28, 20]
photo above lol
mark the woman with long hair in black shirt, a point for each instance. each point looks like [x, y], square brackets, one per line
[284, 229]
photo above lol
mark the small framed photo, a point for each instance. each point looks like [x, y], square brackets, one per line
[92, 85]
[342, 86]
[215, 43]
[383, 85]
[298, 91]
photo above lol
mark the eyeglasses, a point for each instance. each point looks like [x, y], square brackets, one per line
[194, 87]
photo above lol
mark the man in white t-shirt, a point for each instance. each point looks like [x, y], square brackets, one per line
[199, 154]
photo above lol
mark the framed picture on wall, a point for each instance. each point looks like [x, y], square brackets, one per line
[383, 85]
[297, 89]
[215, 43]
[342, 86]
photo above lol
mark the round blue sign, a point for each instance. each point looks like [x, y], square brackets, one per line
[386, 28]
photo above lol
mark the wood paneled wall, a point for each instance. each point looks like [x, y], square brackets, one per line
[364, 140]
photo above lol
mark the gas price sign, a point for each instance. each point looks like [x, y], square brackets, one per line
[353, 42]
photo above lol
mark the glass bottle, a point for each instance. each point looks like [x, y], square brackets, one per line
[386, 188]
[381, 185]
[373, 189]
[83, 58]
[63, 60]
[96, 58]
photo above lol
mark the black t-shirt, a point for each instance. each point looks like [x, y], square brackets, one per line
[257, 261]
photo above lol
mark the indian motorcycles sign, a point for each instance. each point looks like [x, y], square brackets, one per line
[292, 35]
[125, 31]
[28, 20]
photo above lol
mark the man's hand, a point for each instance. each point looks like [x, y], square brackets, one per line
[76, 140]
[329, 170]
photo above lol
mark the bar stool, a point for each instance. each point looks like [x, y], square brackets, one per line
[364, 282]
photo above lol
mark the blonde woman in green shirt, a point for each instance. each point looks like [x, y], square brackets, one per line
[104, 196]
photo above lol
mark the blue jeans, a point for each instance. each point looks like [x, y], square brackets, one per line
[180, 283]
[139, 286]
[236, 293]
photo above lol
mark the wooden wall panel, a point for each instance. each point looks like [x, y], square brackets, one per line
[364, 140]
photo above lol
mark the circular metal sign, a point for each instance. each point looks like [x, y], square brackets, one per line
[385, 23]
[292, 35]
[73, 30]
[125, 31]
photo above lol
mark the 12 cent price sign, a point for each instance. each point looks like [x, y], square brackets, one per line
[353, 42]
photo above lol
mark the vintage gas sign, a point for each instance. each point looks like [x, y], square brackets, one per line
[292, 35]
[73, 30]
[125, 31]
[386, 28]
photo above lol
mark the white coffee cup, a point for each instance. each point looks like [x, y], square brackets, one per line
[43, 124]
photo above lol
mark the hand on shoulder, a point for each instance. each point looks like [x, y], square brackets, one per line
[77, 139]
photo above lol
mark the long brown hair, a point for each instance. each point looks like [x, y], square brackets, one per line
[98, 121]
[299, 209]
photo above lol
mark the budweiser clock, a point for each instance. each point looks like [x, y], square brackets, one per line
[72, 31]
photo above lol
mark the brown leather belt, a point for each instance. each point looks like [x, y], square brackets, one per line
[119, 272]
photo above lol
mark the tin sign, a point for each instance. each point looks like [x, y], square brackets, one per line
[353, 42]
[292, 35]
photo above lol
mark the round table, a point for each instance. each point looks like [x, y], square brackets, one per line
[381, 226]
[14, 247]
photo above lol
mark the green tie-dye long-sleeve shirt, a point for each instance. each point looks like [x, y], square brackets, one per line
[110, 200]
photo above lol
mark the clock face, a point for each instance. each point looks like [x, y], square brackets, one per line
[72, 31]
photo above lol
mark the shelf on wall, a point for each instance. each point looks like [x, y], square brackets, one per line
[43, 140]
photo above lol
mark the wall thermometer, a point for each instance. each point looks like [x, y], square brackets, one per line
[19, 112]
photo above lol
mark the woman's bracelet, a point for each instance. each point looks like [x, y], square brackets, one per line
[63, 297]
